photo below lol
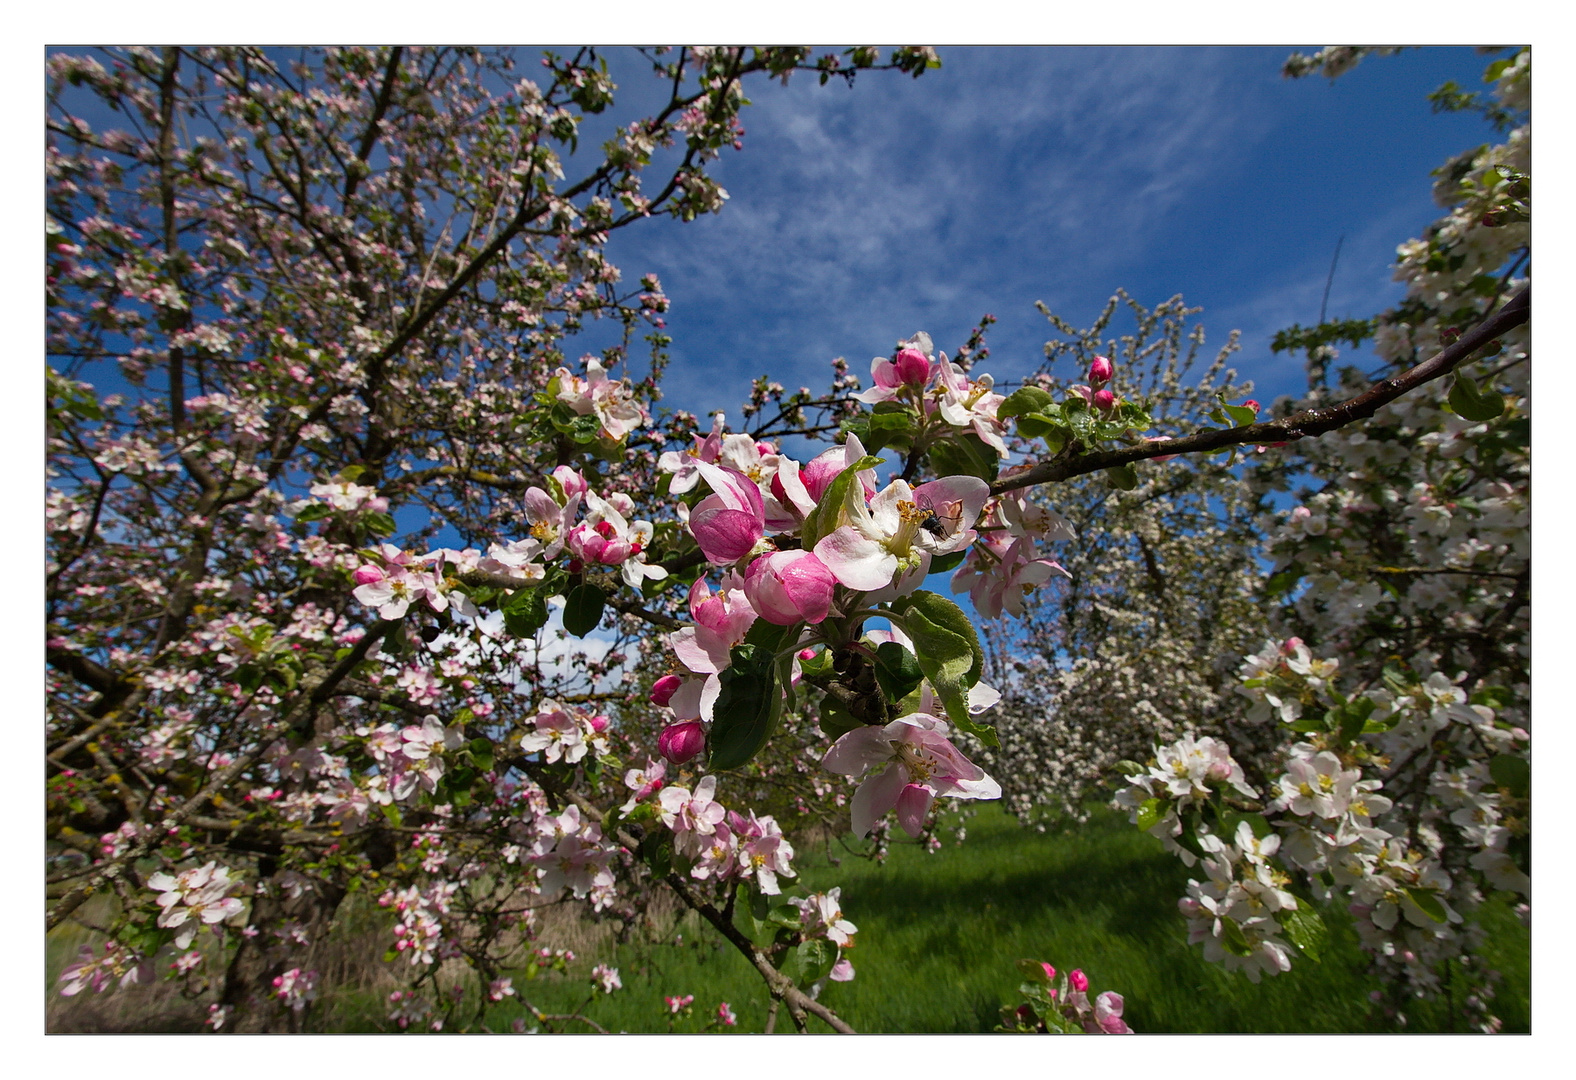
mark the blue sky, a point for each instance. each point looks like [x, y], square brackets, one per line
[1019, 174]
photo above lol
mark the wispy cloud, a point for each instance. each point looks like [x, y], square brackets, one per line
[1011, 175]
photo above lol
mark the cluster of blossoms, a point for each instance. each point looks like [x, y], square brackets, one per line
[1062, 1006]
[418, 934]
[821, 916]
[296, 989]
[606, 535]
[193, 898]
[98, 969]
[1325, 823]
[412, 757]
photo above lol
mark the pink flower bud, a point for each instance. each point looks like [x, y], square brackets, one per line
[1050, 972]
[1103, 400]
[806, 655]
[912, 367]
[570, 480]
[1292, 644]
[786, 587]
[680, 742]
[1251, 404]
[663, 689]
[1101, 370]
[1078, 980]
[367, 574]
[599, 724]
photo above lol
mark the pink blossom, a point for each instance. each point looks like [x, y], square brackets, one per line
[1078, 980]
[1108, 1014]
[1101, 370]
[829, 465]
[728, 523]
[367, 574]
[915, 754]
[677, 1005]
[726, 1015]
[1103, 401]
[788, 587]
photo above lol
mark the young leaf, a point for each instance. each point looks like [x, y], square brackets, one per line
[1472, 404]
[1028, 399]
[747, 707]
[1428, 901]
[1306, 930]
[1149, 812]
[583, 609]
[829, 508]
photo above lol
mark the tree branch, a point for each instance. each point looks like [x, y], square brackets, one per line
[1310, 422]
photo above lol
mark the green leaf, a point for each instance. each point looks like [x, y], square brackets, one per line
[315, 512]
[1512, 772]
[1231, 937]
[1028, 399]
[1033, 970]
[1428, 900]
[583, 609]
[897, 670]
[1305, 928]
[1495, 697]
[656, 850]
[894, 427]
[1240, 415]
[378, 523]
[1283, 581]
[837, 721]
[1149, 813]
[942, 563]
[525, 612]
[1472, 404]
[828, 510]
[747, 707]
[949, 654]
[965, 455]
[810, 961]
[1123, 477]
[482, 754]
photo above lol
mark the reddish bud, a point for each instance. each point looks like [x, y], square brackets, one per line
[1251, 404]
[680, 742]
[912, 367]
[599, 724]
[367, 574]
[1101, 370]
[1078, 980]
[663, 689]
[1103, 400]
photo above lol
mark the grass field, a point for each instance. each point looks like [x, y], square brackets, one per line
[939, 935]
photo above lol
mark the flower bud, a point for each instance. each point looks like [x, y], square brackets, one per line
[806, 655]
[663, 689]
[1252, 404]
[1101, 370]
[599, 724]
[1050, 972]
[912, 367]
[787, 587]
[680, 742]
[1078, 980]
[367, 574]
[1103, 401]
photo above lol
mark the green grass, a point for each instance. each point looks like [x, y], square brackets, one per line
[939, 935]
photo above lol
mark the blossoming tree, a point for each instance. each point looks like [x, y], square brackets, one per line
[357, 583]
